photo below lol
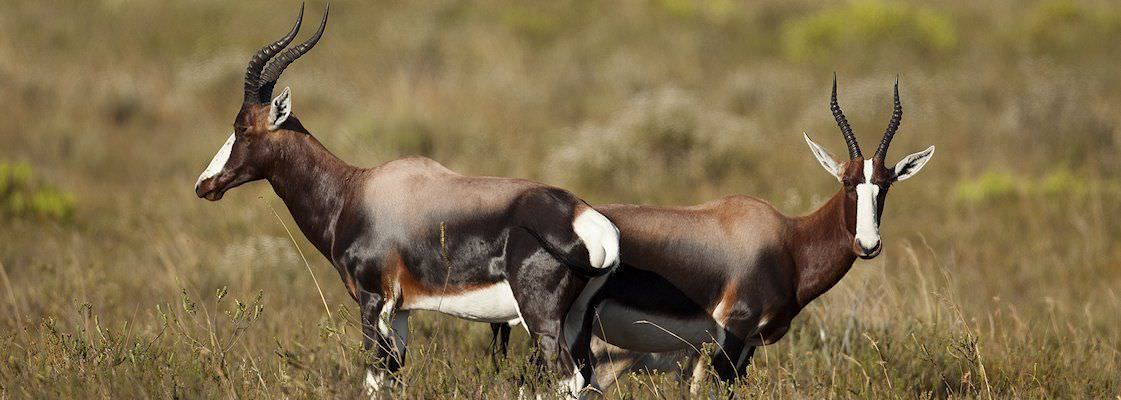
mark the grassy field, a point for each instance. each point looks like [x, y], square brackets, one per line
[1000, 276]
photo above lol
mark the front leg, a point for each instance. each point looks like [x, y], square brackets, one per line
[730, 361]
[384, 332]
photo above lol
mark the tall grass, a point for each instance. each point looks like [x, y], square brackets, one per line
[999, 277]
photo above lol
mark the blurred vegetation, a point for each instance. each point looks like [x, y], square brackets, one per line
[1059, 185]
[22, 195]
[870, 28]
[1068, 28]
[998, 277]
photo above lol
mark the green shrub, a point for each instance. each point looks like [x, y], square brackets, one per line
[868, 28]
[990, 186]
[1059, 184]
[1063, 183]
[22, 196]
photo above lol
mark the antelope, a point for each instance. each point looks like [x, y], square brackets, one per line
[411, 234]
[736, 271]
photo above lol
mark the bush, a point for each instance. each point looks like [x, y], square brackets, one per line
[1061, 27]
[990, 186]
[666, 140]
[20, 195]
[1059, 184]
[869, 28]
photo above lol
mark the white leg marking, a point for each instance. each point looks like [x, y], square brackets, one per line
[400, 332]
[384, 316]
[373, 382]
[570, 388]
[867, 228]
[699, 377]
[218, 162]
[600, 237]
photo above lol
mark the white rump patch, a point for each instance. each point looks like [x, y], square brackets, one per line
[218, 162]
[600, 237]
[493, 303]
[867, 228]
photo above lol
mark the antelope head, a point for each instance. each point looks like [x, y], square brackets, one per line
[866, 181]
[262, 126]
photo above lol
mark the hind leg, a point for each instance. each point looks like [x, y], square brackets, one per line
[544, 290]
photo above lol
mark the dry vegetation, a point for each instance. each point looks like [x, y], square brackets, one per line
[999, 279]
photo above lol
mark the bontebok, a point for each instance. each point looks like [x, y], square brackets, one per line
[735, 271]
[413, 235]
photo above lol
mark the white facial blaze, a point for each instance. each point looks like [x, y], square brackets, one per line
[218, 162]
[867, 227]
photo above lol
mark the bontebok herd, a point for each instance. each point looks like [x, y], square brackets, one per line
[411, 234]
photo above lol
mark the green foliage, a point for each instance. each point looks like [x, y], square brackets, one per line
[1066, 28]
[989, 186]
[22, 196]
[1062, 183]
[1059, 184]
[869, 29]
[712, 9]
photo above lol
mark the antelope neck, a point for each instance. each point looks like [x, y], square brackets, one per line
[822, 249]
[314, 185]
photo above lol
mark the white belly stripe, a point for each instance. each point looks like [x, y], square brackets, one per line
[493, 303]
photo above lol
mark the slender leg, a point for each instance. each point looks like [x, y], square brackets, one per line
[544, 290]
[385, 332]
[371, 304]
[731, 362]
[499, 341]
[578, 330]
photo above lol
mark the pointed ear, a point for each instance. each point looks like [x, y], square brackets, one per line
[910, 165]
[280, 109]
[827, 161]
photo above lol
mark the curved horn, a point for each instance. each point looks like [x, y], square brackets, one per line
[257, 62]
[277, 65]
[846, 130]
[892, 126]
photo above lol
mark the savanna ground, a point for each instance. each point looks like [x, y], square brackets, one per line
[999, 277]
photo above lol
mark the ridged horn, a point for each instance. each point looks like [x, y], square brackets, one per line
[846, 130]
[278, 64]
[892, 126]
[258, 61]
